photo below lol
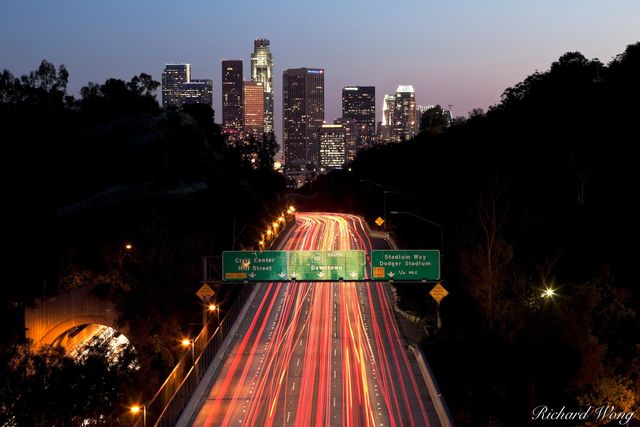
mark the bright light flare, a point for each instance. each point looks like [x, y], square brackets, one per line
[212, 307]
[549, 293]
[186, 342]
[135, 409]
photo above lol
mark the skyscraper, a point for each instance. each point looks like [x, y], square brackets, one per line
[388, 117]
[253, 98]
[197, 91]
[351, 133]
[232, 88]
[405, 123]
[359, 107]
[173, 76]
[332, 147]
[302, 115]
[262, 71]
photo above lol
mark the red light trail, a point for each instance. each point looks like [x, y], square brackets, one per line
[318, 353]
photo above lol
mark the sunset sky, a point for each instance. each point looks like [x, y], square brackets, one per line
[463, 53]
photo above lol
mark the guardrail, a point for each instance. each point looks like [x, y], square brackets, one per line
[167, 404]
[165, 407]
[442, 410]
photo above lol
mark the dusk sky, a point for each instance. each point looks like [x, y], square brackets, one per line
[463, 53]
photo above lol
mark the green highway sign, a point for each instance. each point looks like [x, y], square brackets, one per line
[327, 265]
[405, 265]
[265, 266]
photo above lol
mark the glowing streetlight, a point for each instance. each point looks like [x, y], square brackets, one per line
[548, 293]
[291, 210]
[128, 246]
[135, 410]
[186, 342]
[281, 219]
[216, 308]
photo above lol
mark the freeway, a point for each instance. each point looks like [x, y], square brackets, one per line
[318, 353]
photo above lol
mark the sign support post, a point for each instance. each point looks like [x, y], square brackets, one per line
[438, 293]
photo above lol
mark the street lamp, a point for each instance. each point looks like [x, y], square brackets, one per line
[186, 342]
[549, 293]
[386, 189]
[125, 249]
[216, 308]
[135, 410]
[427, 221]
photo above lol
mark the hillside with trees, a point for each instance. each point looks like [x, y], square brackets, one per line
[538, 193]
[84, 176]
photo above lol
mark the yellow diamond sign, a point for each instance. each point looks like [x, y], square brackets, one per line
[438, 293]
[379, 221]
[205, 292]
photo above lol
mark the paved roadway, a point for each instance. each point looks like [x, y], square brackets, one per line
[318, 353]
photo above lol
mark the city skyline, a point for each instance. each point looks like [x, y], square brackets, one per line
[463, 54]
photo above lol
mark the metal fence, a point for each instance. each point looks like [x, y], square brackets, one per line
[165, 407]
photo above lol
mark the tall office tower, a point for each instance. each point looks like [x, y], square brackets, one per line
[351, 133]
[302, 115]
[332, 147]
[253, 98]
[421, 109]
[232, 87]
[359, 106]
[262, 71]
[197, 91]
[388, 117]
[406, 125]
[173, 76]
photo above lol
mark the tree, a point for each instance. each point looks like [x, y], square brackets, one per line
[47, 387]
[487, 266]
[433, 121]
[116, 97]
[267, 147]
[44, 86]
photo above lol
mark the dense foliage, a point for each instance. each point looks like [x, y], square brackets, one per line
[85, 176]
[539, 192]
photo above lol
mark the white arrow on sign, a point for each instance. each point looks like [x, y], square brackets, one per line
[282, 275]
[252, 275]
[321, 274]
[392, 274]
[353, 274]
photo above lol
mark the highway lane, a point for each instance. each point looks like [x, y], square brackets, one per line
[318, 353]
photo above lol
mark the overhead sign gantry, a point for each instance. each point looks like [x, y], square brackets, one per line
[273, 266]
[410, 265]
[349, 265]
